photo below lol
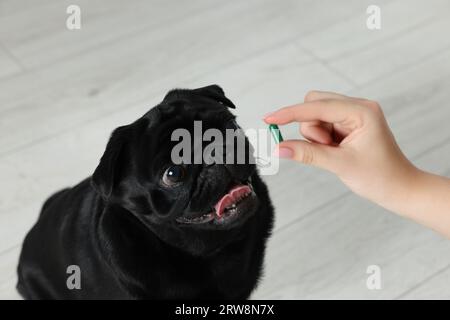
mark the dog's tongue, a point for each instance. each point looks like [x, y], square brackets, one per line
[231, 197]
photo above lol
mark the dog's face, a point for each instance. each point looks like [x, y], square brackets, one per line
[199, 206]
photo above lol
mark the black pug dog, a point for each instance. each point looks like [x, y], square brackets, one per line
[144, 228]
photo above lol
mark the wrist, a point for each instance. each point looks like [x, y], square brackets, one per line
[428, 203]
[402, 190]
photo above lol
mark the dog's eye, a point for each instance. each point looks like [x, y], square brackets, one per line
[173, 175]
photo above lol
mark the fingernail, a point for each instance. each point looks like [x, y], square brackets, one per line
[267, 115]
[284, 152]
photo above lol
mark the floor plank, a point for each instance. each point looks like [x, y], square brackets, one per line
[8, 66]
[350, 36]
[432, 288]
[413, 47]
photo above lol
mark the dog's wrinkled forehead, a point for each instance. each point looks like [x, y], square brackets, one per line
[196, 100]
[184, 109]
[181, 108]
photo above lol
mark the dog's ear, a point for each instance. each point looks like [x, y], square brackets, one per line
[107, 173]
[216, 93]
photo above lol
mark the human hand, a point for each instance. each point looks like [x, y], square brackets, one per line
[351, 138]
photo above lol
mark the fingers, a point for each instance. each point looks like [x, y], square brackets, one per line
[327, 110]
[323, 156]
[320, 95]
[326, 118]
[317, 132]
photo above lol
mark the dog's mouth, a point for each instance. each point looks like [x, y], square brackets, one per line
[238, 200]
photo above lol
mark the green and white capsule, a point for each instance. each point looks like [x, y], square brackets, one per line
[276, 133]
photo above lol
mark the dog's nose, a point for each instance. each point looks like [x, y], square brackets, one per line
[240, 172]
[242, 164]
[237, 159]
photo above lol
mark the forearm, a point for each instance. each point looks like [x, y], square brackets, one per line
[425, 199]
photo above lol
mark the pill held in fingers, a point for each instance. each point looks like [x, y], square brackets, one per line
[276, 134]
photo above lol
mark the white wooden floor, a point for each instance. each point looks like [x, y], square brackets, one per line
[62, 92]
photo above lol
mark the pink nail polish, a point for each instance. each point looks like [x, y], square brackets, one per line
[284, 152]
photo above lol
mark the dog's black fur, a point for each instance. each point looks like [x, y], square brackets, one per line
[119, 225]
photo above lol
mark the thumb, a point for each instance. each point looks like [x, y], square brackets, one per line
[310, 153]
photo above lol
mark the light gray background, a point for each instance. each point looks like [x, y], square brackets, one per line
[62, 92]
